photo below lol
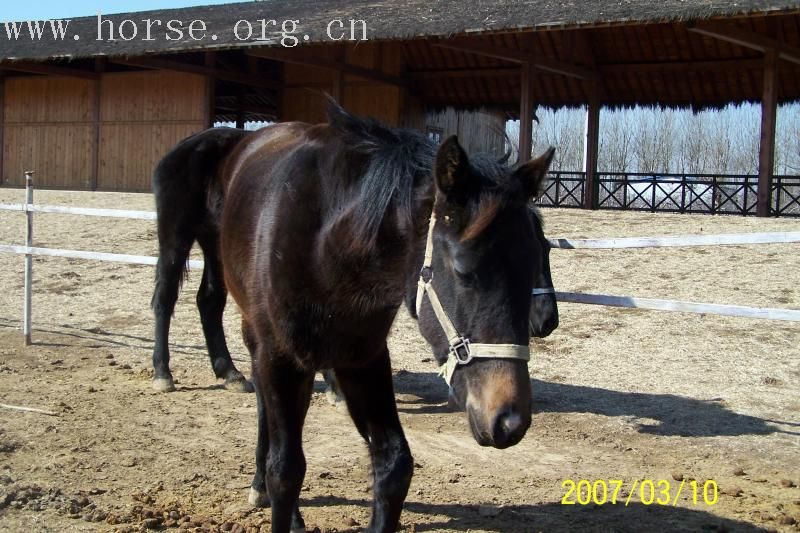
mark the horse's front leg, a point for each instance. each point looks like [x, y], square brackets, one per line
[370, 398]
[286, 392]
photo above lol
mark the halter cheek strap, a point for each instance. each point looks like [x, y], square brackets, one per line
[462, 352]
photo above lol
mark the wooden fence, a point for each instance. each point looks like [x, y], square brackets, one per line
[674, 193]
[28, 250]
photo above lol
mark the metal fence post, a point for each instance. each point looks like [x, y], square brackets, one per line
[26, 320]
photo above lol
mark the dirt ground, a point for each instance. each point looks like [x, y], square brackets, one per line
[619, 394]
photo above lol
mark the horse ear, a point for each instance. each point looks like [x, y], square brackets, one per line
[533, 173]
[452, 163]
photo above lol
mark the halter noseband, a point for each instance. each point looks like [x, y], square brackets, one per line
[461, 350]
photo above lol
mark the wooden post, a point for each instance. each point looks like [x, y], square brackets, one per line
[2, 124]
[590, 150]
[526, 113]
[338, 88]
[766, 155]
[94, 169]
[240, 114]
[211, 93]
[26, 309]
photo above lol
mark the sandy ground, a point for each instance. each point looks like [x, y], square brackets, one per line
[619, 394]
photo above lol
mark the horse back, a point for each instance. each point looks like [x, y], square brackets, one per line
[187, 181]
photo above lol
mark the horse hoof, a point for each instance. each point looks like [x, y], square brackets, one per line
[163, 384]
[258, 498]
[297, 530]
[239, 385]
[333, 398]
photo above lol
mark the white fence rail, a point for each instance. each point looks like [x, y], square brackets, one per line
[565, 244]
[85, 211]
[631, 302]
[679, 240]
[91, 256]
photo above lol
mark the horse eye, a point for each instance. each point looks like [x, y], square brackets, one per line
[468, 279]
[466, 272]
[462, 267]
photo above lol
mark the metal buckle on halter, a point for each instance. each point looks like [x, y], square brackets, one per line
[459, 348]
[426, 274]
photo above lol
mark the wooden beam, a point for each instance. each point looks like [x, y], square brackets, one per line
[608, 68]
[591, 148]
[748, 39]
[680, 66]
[463, 73]
[47, 69]
[766, 154]
[526, 113]
[353, 70]
[201, 70]
[520, 56]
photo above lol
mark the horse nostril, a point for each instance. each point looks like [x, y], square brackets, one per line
[511, 423]
[508, 429]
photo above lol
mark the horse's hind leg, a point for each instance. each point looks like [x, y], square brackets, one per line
[332, 391]
[370, 399]
[173, 252]
[211, 298]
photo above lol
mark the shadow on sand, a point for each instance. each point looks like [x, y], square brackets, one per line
[425, 392]
[556, 517]
[674, 415]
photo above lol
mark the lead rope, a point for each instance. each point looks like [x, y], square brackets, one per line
[461, 350]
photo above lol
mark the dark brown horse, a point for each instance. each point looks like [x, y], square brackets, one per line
[189, 196]
[188, 190]
[323, 236]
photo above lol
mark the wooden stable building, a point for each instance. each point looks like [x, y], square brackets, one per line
[98, 114]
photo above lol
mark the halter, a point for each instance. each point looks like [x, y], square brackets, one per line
[462, 352]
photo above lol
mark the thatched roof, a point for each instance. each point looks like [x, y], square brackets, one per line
[386, 20]
[639, 51]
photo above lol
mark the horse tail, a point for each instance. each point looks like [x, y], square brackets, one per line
[188, 195]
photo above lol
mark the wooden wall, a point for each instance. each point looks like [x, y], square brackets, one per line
[303, 98]
[110, 134]
[52, 126]
[142, 116]
[48, 129]
[479, 131]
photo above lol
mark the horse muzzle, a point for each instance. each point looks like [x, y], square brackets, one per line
[498, 404]
[500, 430]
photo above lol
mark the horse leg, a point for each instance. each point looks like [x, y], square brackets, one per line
[258, 489]
[332, 392]
[169, 271]
[370, 399]
[211, 299]
[285, 393]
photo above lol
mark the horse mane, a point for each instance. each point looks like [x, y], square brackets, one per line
[396, 160]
